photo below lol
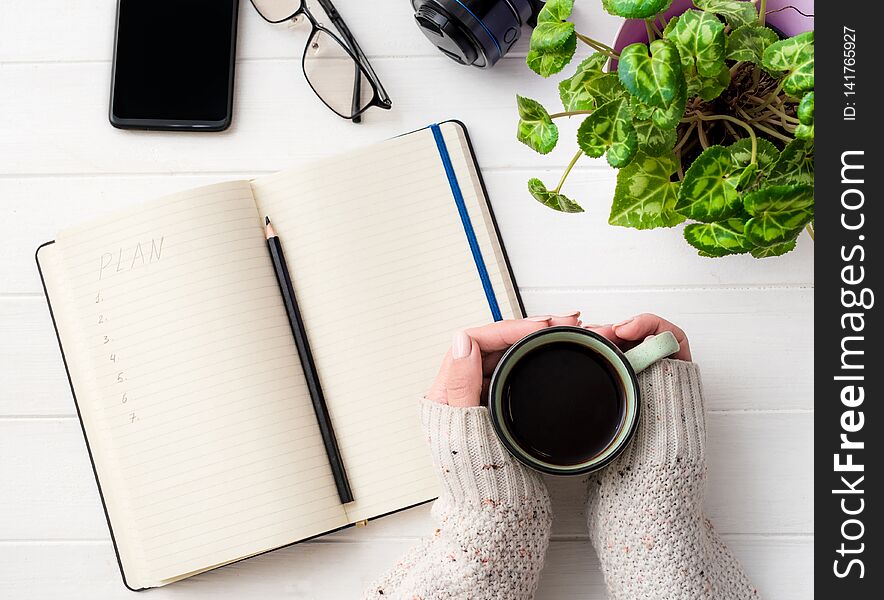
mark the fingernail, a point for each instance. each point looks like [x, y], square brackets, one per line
[461, 345]
[542, 319]
[575, 313]
[595, 325]
[622, 323]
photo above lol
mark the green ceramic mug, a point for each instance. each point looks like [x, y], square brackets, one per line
[565, 400]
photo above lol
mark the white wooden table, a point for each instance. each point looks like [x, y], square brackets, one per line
[750, 322]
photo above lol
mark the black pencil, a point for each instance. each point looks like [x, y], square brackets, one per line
[306, 356]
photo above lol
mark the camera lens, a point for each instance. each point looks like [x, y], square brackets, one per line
[474, 32]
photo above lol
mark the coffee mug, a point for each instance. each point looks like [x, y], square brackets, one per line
[565, 400]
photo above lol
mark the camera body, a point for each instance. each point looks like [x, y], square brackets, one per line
[475, 32]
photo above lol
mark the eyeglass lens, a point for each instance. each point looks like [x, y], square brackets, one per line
[335, 76]
[277, 10]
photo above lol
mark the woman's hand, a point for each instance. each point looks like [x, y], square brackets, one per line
[467, 367]
[468, 364]
[631, 332]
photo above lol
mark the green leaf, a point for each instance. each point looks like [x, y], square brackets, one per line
[654, 140]
[779, 213]
[672, 24]
[555, 10]
[635, 9]
[805, 109]
[536, 129]
[805, 115]
[710, 190]
[795, 164]
[609, 129]
[551, 61]
[551, 35]
[795, 56]
[654, 78]
[766, 154]
[735, 12]
[701, 43]
[554, 200]
[711, 87]
[666, 117]
[553, 40]
[775, 250]
[749, 43]
[606, 88]
[804, 132]
[719, 239]
[645, 196]
[769, 229]
[590, 87]
[573, 91]
[780, 198]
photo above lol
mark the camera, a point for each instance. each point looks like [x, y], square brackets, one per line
[475, 32]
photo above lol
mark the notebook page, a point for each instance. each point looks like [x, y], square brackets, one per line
[196, 397]
[481, 219]
[384, 275]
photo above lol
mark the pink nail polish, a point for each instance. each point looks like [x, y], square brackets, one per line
[542, 319]
[461, 345]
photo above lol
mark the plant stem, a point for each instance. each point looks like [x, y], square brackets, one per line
[603, 48]
[770, 98]
[810, 231]
[758, 123]
[701, 133]
[570, 113]
[762, 12]
[735, 121]
[687, 134]
[650, 30]
[568, 170]
[773, 133]
[783, 115]
[731, 129]
[661, 17]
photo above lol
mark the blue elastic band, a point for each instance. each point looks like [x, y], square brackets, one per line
[467, 225]
[488, 31]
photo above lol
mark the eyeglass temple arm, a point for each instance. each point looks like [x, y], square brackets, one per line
[338, 22]
[357, 94]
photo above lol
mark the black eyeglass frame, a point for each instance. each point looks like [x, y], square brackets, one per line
[350, 46]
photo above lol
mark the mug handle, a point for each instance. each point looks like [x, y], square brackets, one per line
[651, 350]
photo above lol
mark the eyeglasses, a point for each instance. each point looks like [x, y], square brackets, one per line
[335, 67]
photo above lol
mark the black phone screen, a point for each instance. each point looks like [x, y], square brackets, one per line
[173, 64]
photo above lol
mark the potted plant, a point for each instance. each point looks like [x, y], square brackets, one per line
[710, 121]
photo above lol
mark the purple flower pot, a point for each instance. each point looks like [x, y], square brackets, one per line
[787, 21]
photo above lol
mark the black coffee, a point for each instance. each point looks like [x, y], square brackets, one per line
[563, 403]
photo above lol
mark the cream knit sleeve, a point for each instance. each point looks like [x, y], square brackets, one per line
[645, 514]
[493, 518]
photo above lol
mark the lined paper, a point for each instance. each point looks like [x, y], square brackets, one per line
[384, 276]
[187, 377]
[207, 436]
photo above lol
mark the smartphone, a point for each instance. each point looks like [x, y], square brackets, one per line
[173, 64]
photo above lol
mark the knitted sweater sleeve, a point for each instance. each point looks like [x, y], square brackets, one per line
[646, 517]
[492, 518]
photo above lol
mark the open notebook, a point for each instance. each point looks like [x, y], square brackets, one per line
[185, 374]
